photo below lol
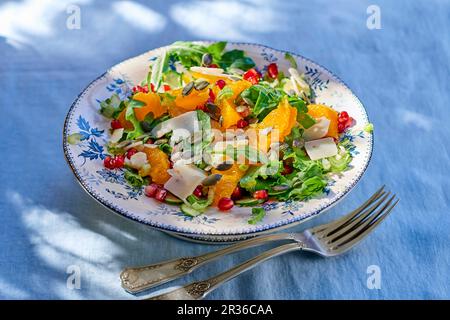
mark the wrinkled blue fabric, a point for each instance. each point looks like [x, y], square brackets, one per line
[50, 228]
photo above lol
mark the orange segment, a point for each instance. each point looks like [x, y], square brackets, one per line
[229, 114]
[152, 103]
[192, 100]
[127, 125]
[238, 87]
[209, 77]
[230, 179]
[318, 110]
[282, 119]
[159, 164]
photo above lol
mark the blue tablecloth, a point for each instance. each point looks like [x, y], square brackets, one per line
[51, 227]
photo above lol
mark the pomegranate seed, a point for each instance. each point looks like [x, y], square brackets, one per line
[119, 161]
[237, 193]
[252, 76]
[171, 164]
[344, 114]
[115, 124]
[161, 194]
[241, 123]
[272, 70]
[245, 113]
[145, 89]
[114, 162]
[152, 87]
[166, 87]
[349, 122]
[221, 83]
[198, 192]
[213, 65]
[107, 162]
[212, 96]
[260, 194]
[341, 127]
[131, 152]
[225, 204]
[150, 190]
[287, 169]
[200, 107]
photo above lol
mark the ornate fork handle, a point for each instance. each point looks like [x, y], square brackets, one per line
[199, 290]
[137, 279]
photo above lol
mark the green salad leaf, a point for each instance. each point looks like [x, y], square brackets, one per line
[111, 107]
[261, 177]
[216, 49]
[257, 215]
[225, 93]
[130, 116]
[236, 59]
[262, 98]
[310, 187]
[158, 68]
[291, 60]
[134, 179]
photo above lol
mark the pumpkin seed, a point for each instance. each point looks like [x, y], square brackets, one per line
[281, 187]
[188, 88]
[224, 166]
[298, 143]
[207, 59]
[200, 84]
[211, 179]
[241, 108]
[213, 110]
[161, 141]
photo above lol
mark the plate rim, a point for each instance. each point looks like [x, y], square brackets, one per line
[173, 229]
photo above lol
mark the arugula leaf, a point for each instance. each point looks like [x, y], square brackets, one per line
[368, 128]
[111, 107]
[161, 64]
[225, 93]
[188, 53]
[172, 78]
[262, 98]
[130, 116]
[305, 120]
[114, 150]
[199, 204]
[298, 103]
[216, 49]
[257, 215]
[341, 161]
[255, 176]
[134, 179]
[291, 60]
[236, 59]
[310, 187]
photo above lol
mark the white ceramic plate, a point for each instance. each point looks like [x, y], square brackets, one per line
[109, 187]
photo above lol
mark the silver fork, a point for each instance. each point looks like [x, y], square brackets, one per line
[327, 240]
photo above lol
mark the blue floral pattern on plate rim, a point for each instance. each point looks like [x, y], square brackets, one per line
[113, 191]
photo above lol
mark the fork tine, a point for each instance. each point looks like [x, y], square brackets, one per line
[359, 237]
[350, 234]
[343, 230]
[347, 218]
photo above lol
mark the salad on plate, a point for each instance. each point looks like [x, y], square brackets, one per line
[206, 127]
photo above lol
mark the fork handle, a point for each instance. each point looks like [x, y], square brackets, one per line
[137, 279]
[198, 290]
